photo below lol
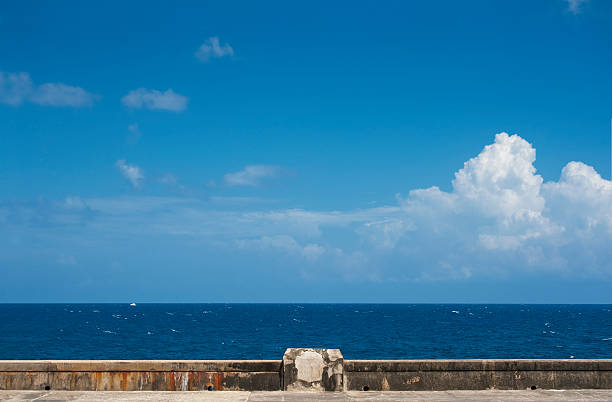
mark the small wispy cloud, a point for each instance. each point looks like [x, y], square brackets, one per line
[211, 49]
[153, 99]
[58, 94]
[283, 243]
[134, 134]
[18, 88]
[168, 179]
[240, 200]
[575, 6]
[251, 175]
[132, 173]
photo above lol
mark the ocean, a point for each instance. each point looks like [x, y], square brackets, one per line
[263, 331]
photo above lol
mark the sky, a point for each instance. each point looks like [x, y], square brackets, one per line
[306, 151]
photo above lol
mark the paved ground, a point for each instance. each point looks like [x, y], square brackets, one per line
[538, 395]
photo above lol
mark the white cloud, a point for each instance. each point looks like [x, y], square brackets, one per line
[211, 49]
[385, 233]
[312, 251]
[237, 200]
[155, 100]
[58, 94]
[17, 88]
[501, 180]
[251, 175]
[168, 179]
[500, 219]
[285, 244]
[134, 134]
[74, 203]
[132, 173]
[575, 6]
[173, 182]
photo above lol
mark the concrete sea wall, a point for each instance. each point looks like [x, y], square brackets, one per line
[304, 369]
[438, 375]
[141, 375]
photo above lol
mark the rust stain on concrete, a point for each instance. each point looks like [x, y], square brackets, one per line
[172, 384]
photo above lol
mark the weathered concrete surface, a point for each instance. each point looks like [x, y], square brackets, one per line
[312, 369]
[437, 375]
[145, 375]
[487, 395]
[305, 369]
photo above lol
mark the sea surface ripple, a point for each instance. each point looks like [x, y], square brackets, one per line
[263, 331]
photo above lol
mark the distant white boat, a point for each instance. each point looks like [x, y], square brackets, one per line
[133, 304]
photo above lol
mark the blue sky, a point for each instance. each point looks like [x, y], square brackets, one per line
[305, 152]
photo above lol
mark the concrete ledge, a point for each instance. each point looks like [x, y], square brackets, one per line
[478, 365]
[141, 365]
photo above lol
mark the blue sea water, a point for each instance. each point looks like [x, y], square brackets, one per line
[263, 331]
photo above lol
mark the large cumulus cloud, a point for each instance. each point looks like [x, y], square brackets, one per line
[500, 218]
